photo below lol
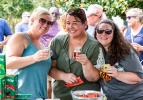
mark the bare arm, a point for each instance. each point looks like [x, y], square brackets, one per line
[126, 77]
[6, 39]
[90, 72]
[55, 73]
[14, 51]
[60, 75]
[2, 43]
[137, 47]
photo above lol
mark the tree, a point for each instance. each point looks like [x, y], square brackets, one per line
[12, 9]
[111, 7]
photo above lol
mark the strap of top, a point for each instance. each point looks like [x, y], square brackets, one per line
[27, 37]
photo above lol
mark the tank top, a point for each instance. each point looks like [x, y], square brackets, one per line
[32, 79]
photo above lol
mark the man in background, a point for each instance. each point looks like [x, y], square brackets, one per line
[5, 32]
[94, 15]
[23, 25]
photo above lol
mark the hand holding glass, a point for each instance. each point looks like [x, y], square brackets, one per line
[42, 54]
[103, 72]
[76, 52]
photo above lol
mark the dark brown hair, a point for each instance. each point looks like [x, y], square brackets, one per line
[78, 13]
[119, 47]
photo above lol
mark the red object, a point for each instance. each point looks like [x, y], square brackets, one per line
[75, 54]
[10, 87]
[79, 81]
[89, 95]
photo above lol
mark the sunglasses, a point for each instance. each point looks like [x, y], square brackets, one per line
[55, 13]
[129, 17]
[107, 31]
[44, 21]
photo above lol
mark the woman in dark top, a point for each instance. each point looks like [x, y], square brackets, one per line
[125, 68]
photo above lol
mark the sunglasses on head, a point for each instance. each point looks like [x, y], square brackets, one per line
[129, 17]
[44, 21]
[107, 31]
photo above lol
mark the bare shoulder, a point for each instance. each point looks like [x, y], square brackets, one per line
[18, 38]
[16, 44]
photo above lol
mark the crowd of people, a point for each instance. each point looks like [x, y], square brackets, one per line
[45, 46]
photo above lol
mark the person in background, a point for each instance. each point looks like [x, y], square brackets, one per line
[23, 26]
[134, 33]
[68, 67]
[94, 15]
[27, 55]
[5, 33]
[125, 69]
[62, 24]
[54, 29]
[120, 23]
[47, 37]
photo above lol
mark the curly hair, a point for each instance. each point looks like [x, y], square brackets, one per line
[119, 47]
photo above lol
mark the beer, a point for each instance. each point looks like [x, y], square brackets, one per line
[103, 72]
[76, 52]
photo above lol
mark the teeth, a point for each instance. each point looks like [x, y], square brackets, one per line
[43, 28]
[104, 38]
[72, 32]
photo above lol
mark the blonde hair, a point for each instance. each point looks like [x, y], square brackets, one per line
[137, 12]
[37, 13]
[62, 22]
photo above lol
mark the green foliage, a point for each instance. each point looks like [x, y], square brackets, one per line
[135, 3]
[111, 7]
[115, 7]
[12, 9]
